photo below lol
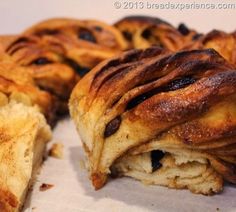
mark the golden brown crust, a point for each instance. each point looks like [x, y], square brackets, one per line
[60, 51]
[16, 83]
[157, 92]
[100, 35]
[224, 43]
[43, 62]
[145, 31]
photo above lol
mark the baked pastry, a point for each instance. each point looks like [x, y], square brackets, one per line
[17, 84]
[44, 65]
[5, 40]
[163, 118]
[60, 51]
[224, 43]
[23, 137]
[87, 42]
[189, 34]
[145, 31]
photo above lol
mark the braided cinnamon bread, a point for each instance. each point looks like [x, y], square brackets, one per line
[145, 31]
[43, 63]
[162, 118]
[60, 51]
[85, 41]
[17, 84]
[224, 43]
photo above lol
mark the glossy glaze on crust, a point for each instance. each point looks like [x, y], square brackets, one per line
[43, 60]
[145, 31]
[188, 89]
[60, 51]
[224, 43]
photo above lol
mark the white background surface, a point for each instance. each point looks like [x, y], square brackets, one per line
[16, 15]
[72, 191]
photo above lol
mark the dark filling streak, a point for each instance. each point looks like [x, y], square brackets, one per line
[179, 83]
[41, 61]
[8, 80]
[76, 67]
[146, 34]
[20, 40]
[121, 71]
[197, 36]
[192, 53]
[13, 51]
[160, 63]
[150, 68]
[112, 127]
[131, 56]
[85, 34]
[156, 156]
[112, 63]
[152, 52]
[174, 85]
[98, 28]
[46, 32]
[128, 36]
[193, 66]
[183, 29]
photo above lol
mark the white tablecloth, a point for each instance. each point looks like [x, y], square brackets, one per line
[72, 191]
